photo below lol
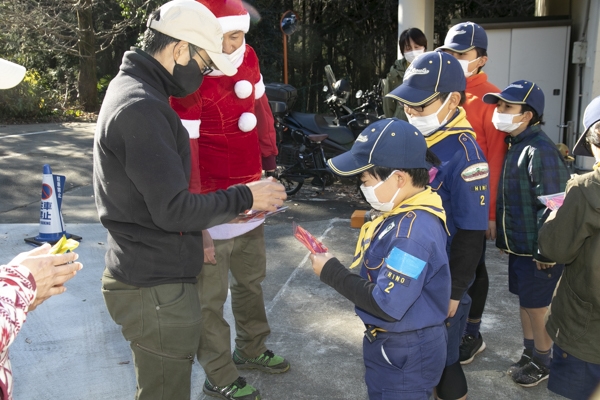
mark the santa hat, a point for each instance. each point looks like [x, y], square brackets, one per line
[231, 14]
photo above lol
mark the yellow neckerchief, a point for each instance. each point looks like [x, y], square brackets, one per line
[427, 200]
[456, 126]
[596, 166]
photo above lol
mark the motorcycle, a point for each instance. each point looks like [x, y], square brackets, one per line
[305, 141]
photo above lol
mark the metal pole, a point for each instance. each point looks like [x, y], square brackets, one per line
[285, 66]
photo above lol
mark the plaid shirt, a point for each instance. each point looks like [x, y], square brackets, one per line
[533, 167]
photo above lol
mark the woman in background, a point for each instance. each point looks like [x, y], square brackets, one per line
[412, 43]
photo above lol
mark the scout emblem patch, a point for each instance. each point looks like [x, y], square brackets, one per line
[475, 172]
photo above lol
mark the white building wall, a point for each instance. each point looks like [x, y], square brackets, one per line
[417, 14]
[590, 71]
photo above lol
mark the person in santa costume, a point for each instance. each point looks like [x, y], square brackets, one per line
[232, 139]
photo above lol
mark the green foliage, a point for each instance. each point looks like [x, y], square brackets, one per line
[358, 38]
[446, 10]
[29, 100]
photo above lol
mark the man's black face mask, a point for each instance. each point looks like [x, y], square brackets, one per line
[188, 77]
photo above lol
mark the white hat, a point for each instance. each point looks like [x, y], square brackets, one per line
[10, 74]
[192, 22]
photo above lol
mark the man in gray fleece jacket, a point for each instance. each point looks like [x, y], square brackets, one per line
[141, 176]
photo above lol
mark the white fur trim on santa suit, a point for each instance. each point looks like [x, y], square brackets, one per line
[243, 89]
[247, 122]
[259, 88]
[235, 23]
[192, 126]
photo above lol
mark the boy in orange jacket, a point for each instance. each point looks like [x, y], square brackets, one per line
[467, 42]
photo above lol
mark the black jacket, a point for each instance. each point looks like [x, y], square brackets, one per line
[141, 176]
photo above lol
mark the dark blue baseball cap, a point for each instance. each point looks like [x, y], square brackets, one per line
[389, 142]
[464, 37]
[590, 117]
[520, 92]
[427, 76]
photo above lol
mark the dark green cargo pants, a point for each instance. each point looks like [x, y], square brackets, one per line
[162, 324]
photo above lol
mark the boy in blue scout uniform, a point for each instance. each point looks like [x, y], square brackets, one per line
[533, 167]
[403, 288]
[432, 92]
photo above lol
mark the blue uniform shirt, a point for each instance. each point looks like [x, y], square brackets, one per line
[462, 181]
[408, 262]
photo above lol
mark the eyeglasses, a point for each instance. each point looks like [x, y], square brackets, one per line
[422, 107]
[207, 68]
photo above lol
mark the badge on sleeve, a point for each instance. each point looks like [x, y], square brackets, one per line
[406, 264]
[475, 172]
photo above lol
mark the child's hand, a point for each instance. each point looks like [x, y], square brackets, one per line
[541, 265]
[318, 261]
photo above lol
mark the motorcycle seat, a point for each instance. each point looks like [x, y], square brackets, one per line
[317, 138]
[317, 123]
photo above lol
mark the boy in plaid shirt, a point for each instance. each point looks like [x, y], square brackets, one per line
[533, 167]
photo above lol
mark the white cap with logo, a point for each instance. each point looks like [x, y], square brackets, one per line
[10, 74]
[190, 21]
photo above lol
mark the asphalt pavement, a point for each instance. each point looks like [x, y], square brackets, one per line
[69, 348]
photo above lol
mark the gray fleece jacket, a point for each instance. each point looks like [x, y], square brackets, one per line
[141, 176]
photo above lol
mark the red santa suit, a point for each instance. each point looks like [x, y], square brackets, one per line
[232, 134]
[230, 120]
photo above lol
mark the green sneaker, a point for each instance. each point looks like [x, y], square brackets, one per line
[266, 362]
[238, 390]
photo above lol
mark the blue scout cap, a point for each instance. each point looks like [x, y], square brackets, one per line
[389, 142]
[590, 117]
[464, 37]
[427, 76]
[520, 92]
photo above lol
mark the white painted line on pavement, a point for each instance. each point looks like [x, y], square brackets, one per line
[33, 133]
[293, 274]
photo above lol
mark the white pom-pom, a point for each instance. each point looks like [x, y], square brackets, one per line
[259, 88]
[247, 122]
[243, 89]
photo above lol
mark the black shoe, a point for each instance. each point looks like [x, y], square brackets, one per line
[531, 374]
[469, 348]
[518, 366]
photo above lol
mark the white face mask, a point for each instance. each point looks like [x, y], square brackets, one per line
[504, 122]
[411, 55]
[369, 192]
[465, 66]
[236, 58]
[430, 123]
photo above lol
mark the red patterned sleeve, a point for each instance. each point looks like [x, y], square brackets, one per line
[17, 292]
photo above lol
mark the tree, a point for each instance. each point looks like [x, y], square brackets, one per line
[72, 29]
[358, 38]
[446, 10]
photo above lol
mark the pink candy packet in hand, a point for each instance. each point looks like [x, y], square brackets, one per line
[553, 201]
[308, 240]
